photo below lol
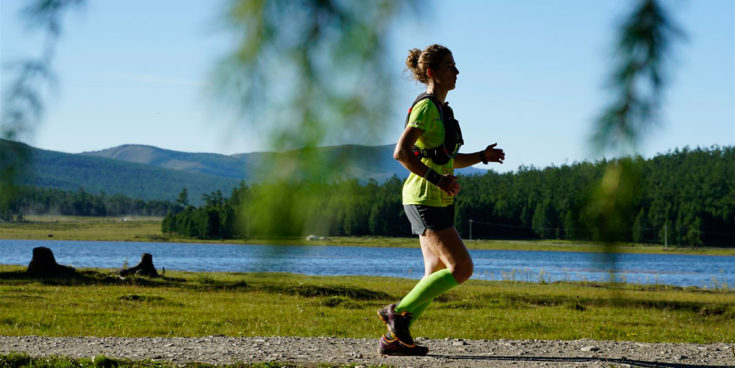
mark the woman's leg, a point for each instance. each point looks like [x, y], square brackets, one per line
[448, 258]
[445, 255]
[451, 252]
[432, 263]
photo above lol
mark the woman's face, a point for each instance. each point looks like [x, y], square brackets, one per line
[445, 75]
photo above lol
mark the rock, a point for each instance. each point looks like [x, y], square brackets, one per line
[459, 343]
[590, 348]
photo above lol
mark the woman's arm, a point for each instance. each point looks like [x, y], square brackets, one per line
[403, 153]
[490, 154]
[467, 159]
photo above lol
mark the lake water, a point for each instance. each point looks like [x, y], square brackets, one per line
[672, 269]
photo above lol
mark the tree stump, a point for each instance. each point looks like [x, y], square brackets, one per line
[144, 268]
[44, 264]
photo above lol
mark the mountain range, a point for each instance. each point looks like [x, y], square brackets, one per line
[149, 172]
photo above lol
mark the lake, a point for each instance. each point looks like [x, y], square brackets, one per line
[534, 266]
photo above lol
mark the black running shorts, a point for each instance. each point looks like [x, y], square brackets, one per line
[427, 217]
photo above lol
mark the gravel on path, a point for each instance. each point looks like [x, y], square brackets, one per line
[310, 351]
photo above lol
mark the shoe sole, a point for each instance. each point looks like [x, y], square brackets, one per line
[398, 353]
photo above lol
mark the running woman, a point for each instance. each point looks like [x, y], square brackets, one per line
[428, 149]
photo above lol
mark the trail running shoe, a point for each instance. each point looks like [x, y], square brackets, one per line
[386, 346]
[397, 324]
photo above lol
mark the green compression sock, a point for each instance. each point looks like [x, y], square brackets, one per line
[426, 290]
[419, 311]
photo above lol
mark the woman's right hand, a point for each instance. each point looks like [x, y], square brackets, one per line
[449, 185]
[492, 154]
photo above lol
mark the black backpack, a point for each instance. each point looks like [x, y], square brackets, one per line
[452, 134]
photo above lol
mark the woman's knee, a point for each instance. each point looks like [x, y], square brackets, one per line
[462, 271]
[436, 267]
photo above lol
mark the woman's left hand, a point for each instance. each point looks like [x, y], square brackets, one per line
[492, 154]
[449, 185]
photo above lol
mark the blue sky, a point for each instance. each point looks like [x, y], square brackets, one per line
[531, 77]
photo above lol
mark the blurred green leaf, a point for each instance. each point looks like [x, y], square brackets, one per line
[305, 74]
[640, 72]
[23, 100]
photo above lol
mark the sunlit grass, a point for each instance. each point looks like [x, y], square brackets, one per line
[266, 304]
[84, 228]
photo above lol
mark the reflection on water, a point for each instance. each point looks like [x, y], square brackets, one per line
[530, 266]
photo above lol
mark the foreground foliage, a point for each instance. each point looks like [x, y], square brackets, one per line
[202, 304]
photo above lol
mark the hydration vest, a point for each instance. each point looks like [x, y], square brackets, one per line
[452, 134]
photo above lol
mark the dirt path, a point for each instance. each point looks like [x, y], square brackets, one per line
[444, 353]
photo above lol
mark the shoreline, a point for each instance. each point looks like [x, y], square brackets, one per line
[148, 229]
[390, 242]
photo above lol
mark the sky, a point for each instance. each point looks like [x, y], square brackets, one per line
[532, 76]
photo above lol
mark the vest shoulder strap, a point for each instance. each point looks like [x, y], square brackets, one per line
[418, 99]
[452, 133]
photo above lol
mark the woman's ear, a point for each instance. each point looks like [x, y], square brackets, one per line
[430, 73]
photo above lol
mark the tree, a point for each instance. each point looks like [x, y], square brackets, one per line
[542, 220]
[167, 225]
[694, 233]
[640, 226]
[570, 225]
[183, 199]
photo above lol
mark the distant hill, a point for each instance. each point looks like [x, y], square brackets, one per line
[365, 162]
[148, 172]
[96, 174]
[199, 163]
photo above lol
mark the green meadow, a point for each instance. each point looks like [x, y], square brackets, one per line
[148, 229]
[96, 303]
[84, 228]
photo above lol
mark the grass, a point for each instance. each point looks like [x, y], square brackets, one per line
[148, 229]
[84, 228]
[266, 304]
[22, 360]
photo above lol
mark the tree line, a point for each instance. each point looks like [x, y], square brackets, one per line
[38, 200]
[685, 197]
